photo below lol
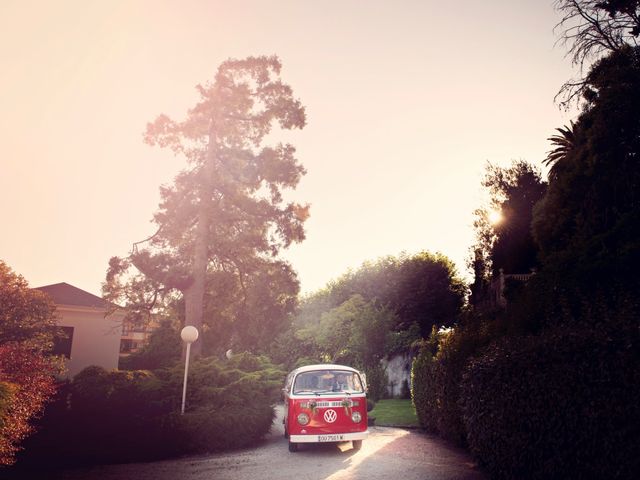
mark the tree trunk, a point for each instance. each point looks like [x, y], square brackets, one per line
[194, 295]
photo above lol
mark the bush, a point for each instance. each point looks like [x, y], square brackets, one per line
[212, 429]
[376, 382]
[423, 389]
[7, 392]
[436, 375]
[28, 379]
[123, 416]
[560, 405]
[103, 416]
[163, 350]
[405, 390]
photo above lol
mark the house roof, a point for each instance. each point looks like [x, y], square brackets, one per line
[65, 294]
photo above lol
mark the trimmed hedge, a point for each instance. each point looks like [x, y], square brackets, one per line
[436, 378]
[212, 429]
[423, 389]
[376, 382]
[564, 404]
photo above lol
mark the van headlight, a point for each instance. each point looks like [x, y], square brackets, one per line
[303, 418]
[356, 417]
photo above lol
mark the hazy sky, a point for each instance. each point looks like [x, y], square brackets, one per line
[406, 101]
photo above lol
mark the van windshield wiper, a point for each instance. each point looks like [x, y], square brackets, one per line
[298, 392]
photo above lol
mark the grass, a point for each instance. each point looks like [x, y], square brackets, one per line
[395, 412]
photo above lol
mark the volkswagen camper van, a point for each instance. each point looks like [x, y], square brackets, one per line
[325, 403]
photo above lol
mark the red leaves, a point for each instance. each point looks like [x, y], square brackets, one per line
[29, 376]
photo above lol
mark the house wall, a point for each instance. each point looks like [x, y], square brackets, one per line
[96, 338]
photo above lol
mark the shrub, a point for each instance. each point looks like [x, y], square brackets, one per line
[243, 380]
[376, 382]
[122, 416]
[436, 375]
[560, 405]
[423, 389]
[163, 350]
[7, 393]
[28, 379]
[103, 416]
[212, 429]
[405, 390]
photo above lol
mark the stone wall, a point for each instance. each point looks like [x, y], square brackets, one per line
[398, 369]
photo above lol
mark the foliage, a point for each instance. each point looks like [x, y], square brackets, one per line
[118, 416]
[547, 388]
[293, 349]
[588, 221]
[261, 310]
[562, 404]
[421, 290]
[402, 341]
[28, 377]
[437, 372]
[506, 244]
[595, 28]
[405, 390]
[202, 429]
[376, 382]
[7, 391]
[423, 388]
[379, 310]
[354, 333]
[563, 142]
[27, 329]
[242, 380]
[224, 220]
[162, 350]
[25, 314]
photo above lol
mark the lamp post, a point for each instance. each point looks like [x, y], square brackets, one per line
[189, 334]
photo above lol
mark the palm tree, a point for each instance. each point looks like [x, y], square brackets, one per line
[563, 143]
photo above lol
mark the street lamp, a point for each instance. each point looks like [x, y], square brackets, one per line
[189, 334]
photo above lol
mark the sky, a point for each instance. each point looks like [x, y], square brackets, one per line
[406, 102]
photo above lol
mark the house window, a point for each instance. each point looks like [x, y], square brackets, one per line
[126, 345]
[62, 343]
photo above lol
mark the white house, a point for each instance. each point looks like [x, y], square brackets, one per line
[93, 337]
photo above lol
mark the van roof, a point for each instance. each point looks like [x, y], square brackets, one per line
[324, 366]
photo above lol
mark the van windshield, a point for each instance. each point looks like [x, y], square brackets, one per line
[328, 381]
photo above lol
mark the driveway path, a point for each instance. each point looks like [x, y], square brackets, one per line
[388, 454]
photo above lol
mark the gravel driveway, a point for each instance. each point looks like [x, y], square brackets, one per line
[387, 454]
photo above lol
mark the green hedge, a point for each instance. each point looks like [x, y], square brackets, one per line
[123, 416]
[376, 382]
[436, 376]
[423, 389]
[212, 429]
[564, 404]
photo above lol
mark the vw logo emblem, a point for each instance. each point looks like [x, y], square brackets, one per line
[330, 416]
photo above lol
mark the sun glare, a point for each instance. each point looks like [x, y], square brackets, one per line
[495, 217]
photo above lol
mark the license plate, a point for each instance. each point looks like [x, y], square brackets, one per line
[330, 438]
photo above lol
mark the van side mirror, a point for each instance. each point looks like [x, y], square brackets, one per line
[370, 404]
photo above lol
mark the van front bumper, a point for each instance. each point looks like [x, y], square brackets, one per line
[329, 437]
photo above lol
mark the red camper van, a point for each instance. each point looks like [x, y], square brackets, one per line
[325, 403]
